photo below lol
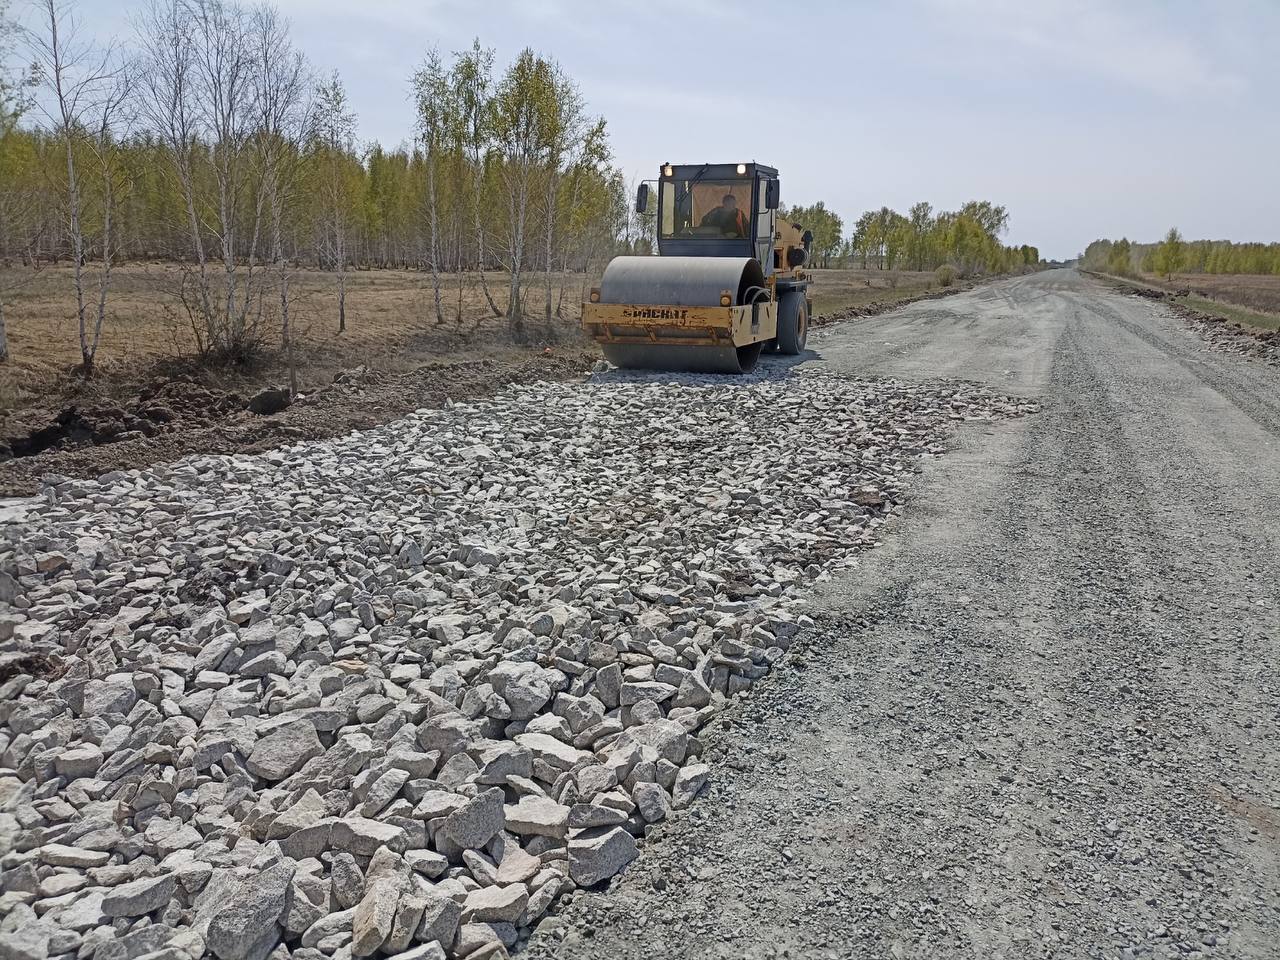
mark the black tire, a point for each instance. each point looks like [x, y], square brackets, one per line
[793, 323]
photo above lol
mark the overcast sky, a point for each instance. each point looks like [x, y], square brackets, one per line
[1085, 118]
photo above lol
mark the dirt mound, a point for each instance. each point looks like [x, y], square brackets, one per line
[1223, 335]
[159, 408]
[179, 416]
[1151, 293]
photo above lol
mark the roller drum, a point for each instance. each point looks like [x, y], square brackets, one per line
[682, 282]
[692, 359]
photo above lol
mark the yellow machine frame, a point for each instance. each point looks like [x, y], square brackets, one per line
[693, 326]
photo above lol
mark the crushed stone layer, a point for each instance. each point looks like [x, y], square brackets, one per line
[399, 692]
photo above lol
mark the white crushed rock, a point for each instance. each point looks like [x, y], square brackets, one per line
[395, 693]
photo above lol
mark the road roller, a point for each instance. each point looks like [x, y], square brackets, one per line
[728, 282]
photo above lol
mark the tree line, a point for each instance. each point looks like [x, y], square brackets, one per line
[967, 240]
[210, 142]
[1173, 255]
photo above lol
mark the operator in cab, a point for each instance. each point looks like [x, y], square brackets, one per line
[727, 218]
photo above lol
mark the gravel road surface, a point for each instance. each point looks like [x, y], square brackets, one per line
[1041, 720]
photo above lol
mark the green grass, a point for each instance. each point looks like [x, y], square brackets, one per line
[1238, 315]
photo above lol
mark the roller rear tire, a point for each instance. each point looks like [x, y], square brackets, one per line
[793, 323]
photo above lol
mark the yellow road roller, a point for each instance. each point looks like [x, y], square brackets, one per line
[728, 282]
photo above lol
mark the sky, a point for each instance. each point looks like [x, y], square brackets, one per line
[1086, 119]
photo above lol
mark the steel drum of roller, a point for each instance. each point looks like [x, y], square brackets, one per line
[685, 282]
[678, 358]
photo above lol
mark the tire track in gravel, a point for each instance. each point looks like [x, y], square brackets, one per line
[1250, 394]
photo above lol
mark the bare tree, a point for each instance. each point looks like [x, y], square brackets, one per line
[113, 181]
[166, 96]
[434, 97]
[225, 89]
[335, 134]
[224, 72]
[519, 117]
[281, 86]
[86, 90]
[472, 76]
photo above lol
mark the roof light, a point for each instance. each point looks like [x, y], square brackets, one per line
[742, 168]
[667, 170]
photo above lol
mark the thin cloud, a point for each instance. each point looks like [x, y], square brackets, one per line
[1100, 41]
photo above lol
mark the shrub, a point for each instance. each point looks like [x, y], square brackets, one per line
[946, 275]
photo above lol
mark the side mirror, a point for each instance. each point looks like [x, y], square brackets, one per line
[642, 198]
[771, 193]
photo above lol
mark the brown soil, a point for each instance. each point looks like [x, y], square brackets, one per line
[168, 419]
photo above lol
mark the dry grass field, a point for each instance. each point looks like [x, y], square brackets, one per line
[391, 322]
[390, 319]
[1243, 299]
[838, 289]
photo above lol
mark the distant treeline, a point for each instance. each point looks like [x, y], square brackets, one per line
[381, 206]
[1175, 255]
[967, 239]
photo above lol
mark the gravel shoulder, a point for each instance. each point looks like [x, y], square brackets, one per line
[1041, 719]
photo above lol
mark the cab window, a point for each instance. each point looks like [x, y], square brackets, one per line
[699, 208]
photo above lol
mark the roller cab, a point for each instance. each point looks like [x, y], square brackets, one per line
[725, 286]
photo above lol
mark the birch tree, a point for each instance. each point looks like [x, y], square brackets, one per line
[219, 85]
[864, 236]
[433, 95]
[921, 217]
[563, 123]
[84, 92]
[1170, 254]
[335, 134]
[590, 193]
[166, 96]
[281, 84]
[227, 109]
[519, 116]
[472, 77]
[112, 181]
